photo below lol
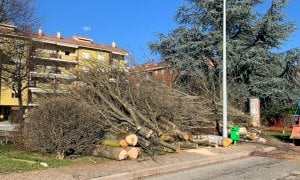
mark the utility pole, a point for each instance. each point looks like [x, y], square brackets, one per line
[224, 73]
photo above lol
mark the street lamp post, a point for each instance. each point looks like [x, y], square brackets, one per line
[224, 73]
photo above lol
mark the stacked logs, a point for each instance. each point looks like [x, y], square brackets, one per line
[120, 147]
[117, 148]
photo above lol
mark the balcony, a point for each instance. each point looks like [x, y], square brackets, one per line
[46, 91]
[52, 75]
[55, 57]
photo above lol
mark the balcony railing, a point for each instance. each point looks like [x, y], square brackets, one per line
[52, 75]
[55, 57]
[46, 91]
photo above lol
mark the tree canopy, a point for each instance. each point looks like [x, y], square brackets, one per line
[253, 68]
[18, 12]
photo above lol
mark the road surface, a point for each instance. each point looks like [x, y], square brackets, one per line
[254, 167]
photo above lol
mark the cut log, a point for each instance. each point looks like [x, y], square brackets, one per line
[167, 122]
[167, 145]
[145, 132]
[143, 142]
[165, 126]
[114, 143]
[133, 152]
[182, 135]
[218, 140]
[188, 145]
[252, 135]
[123, 143]
[243, 131]
[166, 137]
[110, 152]
[203, 142]
[131, 139]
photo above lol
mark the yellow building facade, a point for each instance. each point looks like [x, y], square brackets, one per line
[55, 58]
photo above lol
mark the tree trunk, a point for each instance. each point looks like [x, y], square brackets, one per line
[145, 132]
[109, 152]
[201, 141]
[182, 135]
[114, 143]
[167, 145]
[143, 142]
[167, 137]
[218, 140]
[167, 122]
[188, 145]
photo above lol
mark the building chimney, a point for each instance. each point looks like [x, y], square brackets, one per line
[113, 44]
[40, 32]
[58, 34]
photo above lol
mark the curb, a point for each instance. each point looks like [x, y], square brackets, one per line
[181, 166]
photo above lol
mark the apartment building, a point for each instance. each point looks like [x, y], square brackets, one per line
[161, 72]
[55, 58]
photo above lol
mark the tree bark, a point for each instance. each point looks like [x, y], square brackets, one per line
[145, 132]
[188, 145]
[143, 142]
[218, 140]
[167, 145]
[109, 152]
[114, 143]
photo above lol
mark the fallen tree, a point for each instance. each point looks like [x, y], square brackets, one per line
[126, 109]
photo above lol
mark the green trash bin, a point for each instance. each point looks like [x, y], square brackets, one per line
[235, 133]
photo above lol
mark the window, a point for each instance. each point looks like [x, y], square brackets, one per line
[67, 53]
[100, 57]
[85, 55]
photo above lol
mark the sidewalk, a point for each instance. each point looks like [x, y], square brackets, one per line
[135, 169]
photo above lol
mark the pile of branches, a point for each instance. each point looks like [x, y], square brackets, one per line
[117, 103]
[131, 103]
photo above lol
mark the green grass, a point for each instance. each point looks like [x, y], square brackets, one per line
[277, 133]
[14, 160]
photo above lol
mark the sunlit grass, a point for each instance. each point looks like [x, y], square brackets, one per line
[14, 160]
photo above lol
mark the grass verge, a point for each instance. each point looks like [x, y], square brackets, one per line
[14, 160]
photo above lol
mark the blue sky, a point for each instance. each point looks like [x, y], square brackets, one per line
[132, 23]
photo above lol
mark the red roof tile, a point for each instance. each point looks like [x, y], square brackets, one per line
[71, 41]
[87, 44]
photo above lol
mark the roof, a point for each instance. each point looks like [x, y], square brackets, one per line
[151, 66]
[87, 44]
[53, 39]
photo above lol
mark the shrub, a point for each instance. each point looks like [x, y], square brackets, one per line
[62, 125]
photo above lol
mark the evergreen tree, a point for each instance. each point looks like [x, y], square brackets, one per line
[253, 69]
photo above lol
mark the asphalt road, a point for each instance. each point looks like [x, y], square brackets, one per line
[253, 167]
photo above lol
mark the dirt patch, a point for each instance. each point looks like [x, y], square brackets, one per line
[284, 150]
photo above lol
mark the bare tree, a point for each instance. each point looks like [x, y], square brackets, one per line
[113, 101]
[16, 46]
[18, 12]
[15, 65]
